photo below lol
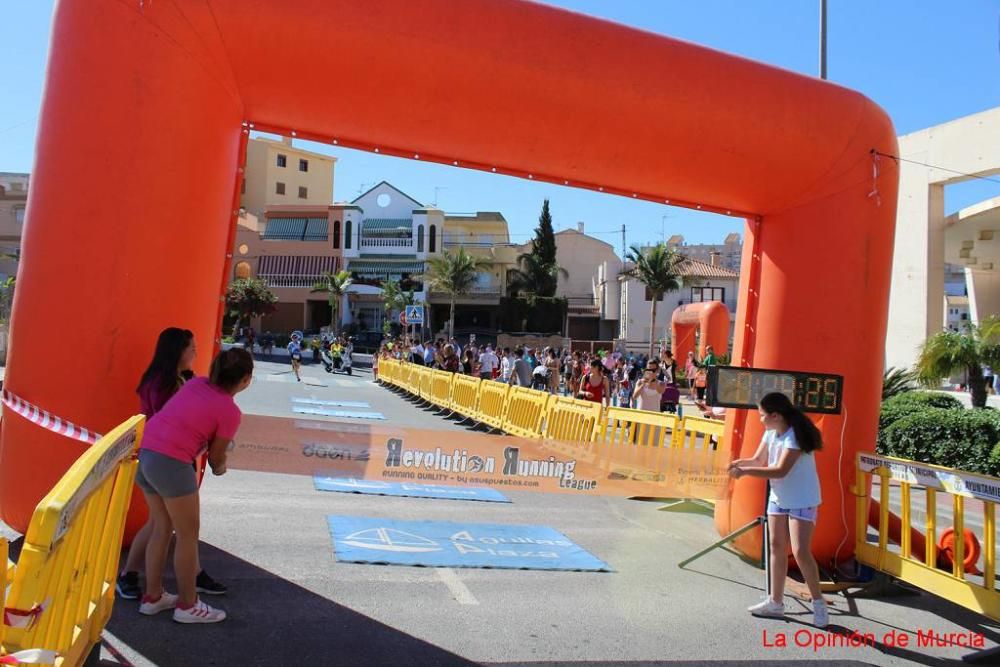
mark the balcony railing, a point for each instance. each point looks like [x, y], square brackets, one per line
[475, 241]
[378, 242]
[290, 281]
[487, 291]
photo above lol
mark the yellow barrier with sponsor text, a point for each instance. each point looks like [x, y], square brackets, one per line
[695, 433]
[572, 420]
[492, 409]
[525, 412]
[530, 413]
[63, 586]
[465, 395]
[625, 426]
[970, 580]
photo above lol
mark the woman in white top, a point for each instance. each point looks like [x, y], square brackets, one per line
[786, 459]
[648, 392]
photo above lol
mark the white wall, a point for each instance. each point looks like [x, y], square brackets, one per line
[969, 145]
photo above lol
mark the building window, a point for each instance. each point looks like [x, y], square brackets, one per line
[432, 241]
[336, 234]
[279, 188]
[965, 316]
[19, 215]
[242, 270]
[282, 160]
[347, 235]
[303, 192]
[420, 238]
[303, 165]
[648, 295]
[699, 294]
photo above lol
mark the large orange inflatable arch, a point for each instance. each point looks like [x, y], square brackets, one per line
[147, 107]
[710, 318]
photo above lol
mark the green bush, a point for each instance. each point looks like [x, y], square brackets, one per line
[908, 403]
[964, 439]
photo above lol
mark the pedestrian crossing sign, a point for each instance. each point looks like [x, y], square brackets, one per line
[414, 314]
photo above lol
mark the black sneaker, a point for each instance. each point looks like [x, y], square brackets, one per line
[209, 586]
[128, 586]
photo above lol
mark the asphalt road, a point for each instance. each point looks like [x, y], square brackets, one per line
[265, 535]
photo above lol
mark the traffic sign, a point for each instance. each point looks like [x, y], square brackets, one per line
[415, 314]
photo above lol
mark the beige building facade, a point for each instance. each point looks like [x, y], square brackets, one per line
[926, 238]
[702, 282]
[728, 254]
[581, 256]
[13, 208]
[281, 174]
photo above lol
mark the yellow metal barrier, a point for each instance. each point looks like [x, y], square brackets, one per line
[465, 395]
[625, 426]
[525, 412]
[698, 433]
[572, 420]
[63, 586]
[492, 409]
[388, 371]
[972, 591]
[440, 389]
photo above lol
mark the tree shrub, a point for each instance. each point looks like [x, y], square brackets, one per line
[964, 439]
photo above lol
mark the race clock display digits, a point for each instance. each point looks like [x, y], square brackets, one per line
[734, 387]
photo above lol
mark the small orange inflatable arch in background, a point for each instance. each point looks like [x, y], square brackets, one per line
[156, 99]
[711, 318]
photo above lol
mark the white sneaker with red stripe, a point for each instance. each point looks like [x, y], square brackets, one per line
[199, 613]
[151, 607]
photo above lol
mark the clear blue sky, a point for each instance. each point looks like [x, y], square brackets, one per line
[925, 61]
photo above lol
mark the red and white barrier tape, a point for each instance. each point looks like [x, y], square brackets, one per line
[31, 656]
[47, 420]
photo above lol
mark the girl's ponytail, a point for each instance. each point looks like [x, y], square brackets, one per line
[807, 435]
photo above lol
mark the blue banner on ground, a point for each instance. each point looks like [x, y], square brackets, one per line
[326, 482]
[327, 412]
[457, 544]
[333, 404]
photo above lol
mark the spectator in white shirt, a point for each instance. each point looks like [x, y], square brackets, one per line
[487, 362]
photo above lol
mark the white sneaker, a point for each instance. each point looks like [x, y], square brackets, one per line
[153, 607]
[821, 613]
[768, 608]
[199, 613]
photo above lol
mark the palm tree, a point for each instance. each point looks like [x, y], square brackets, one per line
[536, 276]
[394, 298]
[454, 274]
[949, 352]
[335, 285]
[658, 268]
[897, 381]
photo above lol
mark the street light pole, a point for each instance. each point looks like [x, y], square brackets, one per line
[822, 39]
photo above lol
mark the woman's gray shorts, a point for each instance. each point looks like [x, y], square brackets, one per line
[164, 476]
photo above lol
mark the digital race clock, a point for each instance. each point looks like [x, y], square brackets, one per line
[734, 387]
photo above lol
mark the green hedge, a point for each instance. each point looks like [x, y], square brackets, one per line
[932, 427]
[965, 439]
[909, 403]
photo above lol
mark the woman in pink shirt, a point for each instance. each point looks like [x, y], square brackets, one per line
[202, 414]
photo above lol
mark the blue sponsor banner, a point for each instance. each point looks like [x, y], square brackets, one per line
[457, 544]
[331, 412]
[325, 482]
